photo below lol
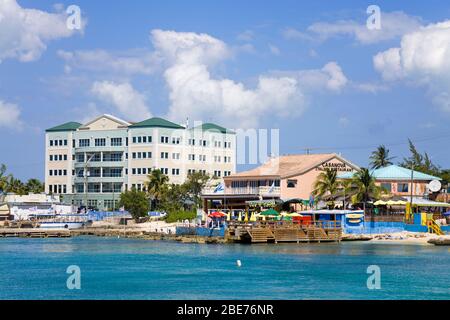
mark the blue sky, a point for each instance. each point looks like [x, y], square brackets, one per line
[323, 91]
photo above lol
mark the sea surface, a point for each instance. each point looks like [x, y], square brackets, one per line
[112, 268]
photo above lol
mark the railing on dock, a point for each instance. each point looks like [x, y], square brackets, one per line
[285, 231]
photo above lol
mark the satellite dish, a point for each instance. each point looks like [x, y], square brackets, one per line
[435, 186]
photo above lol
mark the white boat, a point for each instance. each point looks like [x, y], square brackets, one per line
[61, 225]
[61, 221]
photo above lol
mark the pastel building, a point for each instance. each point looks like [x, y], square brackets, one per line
[399, 181]
[92, 163]
[285, 177]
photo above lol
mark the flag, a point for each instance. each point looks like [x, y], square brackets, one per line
[272, 187]
[219, 188]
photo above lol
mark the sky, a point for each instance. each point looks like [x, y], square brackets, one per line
[315, 70]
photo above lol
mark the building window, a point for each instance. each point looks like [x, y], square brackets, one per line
[116, 142]
[100, 142]
[402, 187]
[191, 157]
[386, 186]
[164, 155]
[175, 156]
[164, 139]
[176, 140]
[191, 142]
[176, 172]
[165, 171]
[217, 173]
[291, 183]
[83, 143]
[80, 157]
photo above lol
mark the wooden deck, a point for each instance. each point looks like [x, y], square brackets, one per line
[284, 232]
[34, 233]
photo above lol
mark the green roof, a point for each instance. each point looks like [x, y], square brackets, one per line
[213, 127]
[69, 126]
[156, 122]
[394, 172]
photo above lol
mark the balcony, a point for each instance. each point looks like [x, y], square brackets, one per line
[264, 191]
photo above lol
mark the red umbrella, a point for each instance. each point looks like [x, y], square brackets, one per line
[217, 214]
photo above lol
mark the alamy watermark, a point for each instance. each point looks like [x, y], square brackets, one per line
[374, 20]
[374, 280]
[74, 280]
[73, 21]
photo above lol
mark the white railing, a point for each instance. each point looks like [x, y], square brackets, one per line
[264, 191]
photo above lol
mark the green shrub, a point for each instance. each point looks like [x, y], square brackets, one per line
[180, 215]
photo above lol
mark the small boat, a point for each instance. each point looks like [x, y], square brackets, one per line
[61, 221]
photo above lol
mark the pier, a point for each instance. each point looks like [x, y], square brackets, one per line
[34, 233]
[267, 232]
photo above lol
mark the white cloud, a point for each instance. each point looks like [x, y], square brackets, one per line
[423, 59]
[294, 34]
[393, 25]
[24, 33]
[247, 35]
[10, 115]
[131, 62]
[195, 93]
[127, 101]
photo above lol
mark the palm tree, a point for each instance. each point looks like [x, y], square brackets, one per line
[326, 185]
[16, 186]
[380, 158]
[3, 178]
[35, 186]
[156, 185]
[362, 187]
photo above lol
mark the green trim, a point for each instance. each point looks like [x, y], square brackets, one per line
[69, 126]
[156, 122]
[213, 127]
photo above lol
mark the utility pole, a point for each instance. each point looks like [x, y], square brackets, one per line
[412, 187]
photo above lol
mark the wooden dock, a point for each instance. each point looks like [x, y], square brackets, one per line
[284, 232]
[34, 233]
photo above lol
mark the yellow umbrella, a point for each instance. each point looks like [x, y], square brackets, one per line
[240, 216]
[295, 214]
[391, 203]
[246, 217]
[228, 216]
[253, 217]
[380, 203]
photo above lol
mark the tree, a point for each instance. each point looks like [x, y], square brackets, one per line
[3, 178]
[326, 185]
[16, 186]
[156, 185]
[34, 186]
[173, 198]
[420, 162]
[380, 158]
[135, 202]
[194, 185]
[362, 187]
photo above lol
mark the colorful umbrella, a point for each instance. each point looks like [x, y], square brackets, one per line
[217, 214]
[270, 212]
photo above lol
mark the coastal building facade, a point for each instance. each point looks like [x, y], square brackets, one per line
[285, 177]
[91, 164]
[399, 181]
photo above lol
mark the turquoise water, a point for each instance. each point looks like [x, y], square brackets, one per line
[139, 269]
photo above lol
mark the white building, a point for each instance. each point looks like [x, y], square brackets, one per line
[91, 164]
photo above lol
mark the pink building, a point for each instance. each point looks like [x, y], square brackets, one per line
[284, 177]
